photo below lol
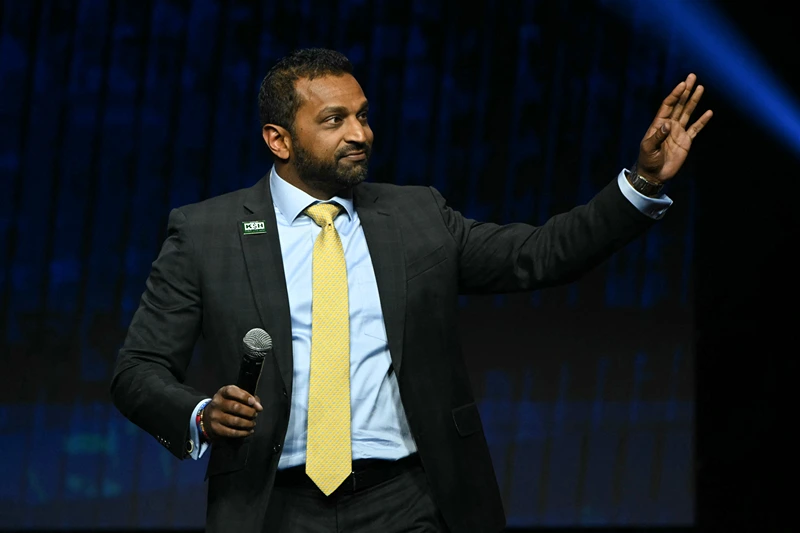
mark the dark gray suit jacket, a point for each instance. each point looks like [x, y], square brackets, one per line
[211, 280]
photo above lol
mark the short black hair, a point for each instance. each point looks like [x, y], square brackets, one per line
[277, 98]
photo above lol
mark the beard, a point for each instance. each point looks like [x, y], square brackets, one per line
[332, 175]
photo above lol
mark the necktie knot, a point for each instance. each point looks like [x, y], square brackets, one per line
[323, 214]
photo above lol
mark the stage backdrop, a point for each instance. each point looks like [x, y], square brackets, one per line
[112, 113]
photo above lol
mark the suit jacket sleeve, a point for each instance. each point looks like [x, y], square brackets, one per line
[520, 257]
[147, 386]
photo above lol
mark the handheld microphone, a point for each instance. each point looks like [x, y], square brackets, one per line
[257, 345]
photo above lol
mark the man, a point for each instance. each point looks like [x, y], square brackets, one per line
[364, 419]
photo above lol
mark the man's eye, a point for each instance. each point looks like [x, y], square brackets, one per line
[333, 120]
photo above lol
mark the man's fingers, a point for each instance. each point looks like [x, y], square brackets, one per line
[667, 106]
[232, 392]
[687, 90]
[222, 424]
[699, 124]
[237, 409]
[691, 105]
[235, 422]
[233, 412]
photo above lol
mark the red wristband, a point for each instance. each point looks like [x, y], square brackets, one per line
[199, 421]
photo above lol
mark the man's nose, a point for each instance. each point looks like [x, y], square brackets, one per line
[355, 131]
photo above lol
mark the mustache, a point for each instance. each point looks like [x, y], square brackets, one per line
[354, 149]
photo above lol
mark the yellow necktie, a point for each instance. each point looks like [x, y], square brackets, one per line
[328, 451]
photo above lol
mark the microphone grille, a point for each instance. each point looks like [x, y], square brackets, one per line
[258, 340]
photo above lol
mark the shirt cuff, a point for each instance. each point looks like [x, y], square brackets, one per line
[194, 432]
[652, 207]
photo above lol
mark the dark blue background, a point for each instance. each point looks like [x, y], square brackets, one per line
[113, 112]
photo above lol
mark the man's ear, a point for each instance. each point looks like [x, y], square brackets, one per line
[278, 140]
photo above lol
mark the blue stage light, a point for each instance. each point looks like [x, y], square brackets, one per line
[726, 62]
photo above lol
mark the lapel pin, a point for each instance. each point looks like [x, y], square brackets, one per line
[253, 228]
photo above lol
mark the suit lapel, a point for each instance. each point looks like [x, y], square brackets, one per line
[262, 254]
[388, 260]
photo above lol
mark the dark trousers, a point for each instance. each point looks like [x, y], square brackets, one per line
[402, 504]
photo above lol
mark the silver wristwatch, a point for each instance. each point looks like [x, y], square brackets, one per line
[642, 185]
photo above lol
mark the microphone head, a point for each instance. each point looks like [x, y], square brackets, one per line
[257, 342]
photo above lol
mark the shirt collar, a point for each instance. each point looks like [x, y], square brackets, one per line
[291, 201]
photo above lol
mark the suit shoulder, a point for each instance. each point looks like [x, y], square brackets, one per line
[398, 193]
[392, 188]
[223, 202]
[218, 208]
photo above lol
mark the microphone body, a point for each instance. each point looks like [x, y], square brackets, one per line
[257, 345]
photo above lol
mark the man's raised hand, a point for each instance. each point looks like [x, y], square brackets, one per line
[667, 142]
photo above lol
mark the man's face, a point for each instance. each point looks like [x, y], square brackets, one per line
[332, 139]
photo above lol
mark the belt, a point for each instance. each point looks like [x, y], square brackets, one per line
[366, 473]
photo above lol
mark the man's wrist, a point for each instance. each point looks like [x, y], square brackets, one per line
[642, 184]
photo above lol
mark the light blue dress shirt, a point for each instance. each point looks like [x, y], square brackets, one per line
[379, 426]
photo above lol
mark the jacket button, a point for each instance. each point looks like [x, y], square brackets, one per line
[284, 393]
[276, 448]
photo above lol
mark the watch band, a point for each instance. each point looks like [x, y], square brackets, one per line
[643, 185]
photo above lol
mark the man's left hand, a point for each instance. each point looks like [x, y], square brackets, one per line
[667, 141]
